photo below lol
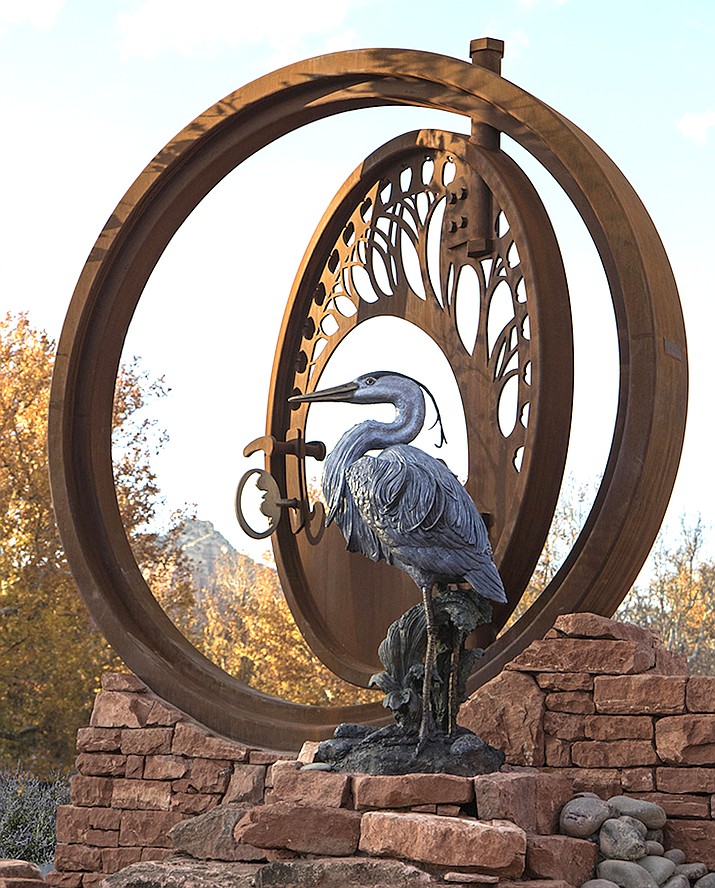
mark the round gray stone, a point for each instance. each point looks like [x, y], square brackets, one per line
[647, 812]
[636, 824]
[659, 867]
[693, 871]
[655, 848]
[620, 840]
[677, 882]
[676, 855]
[706, 881]
[599, 883]
[581, 817]
[625, 874]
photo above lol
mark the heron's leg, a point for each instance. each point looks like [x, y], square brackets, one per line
[429, 666]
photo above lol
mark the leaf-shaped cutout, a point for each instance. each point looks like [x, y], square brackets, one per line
[360, 284]
[345, 306]
[467, 299]
[427, 170]
[434, 244]
[501, 313]
[508, 406]
[411, 265]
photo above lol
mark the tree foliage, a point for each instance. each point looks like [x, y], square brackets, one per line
[51, 654]
[246, 627]
[677, 600]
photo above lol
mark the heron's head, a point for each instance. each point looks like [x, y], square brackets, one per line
[378, 387]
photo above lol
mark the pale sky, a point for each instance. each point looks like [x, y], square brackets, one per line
[91, 91]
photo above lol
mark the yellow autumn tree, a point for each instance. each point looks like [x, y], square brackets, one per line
[246, 627]
[677, 601]
[51, 654]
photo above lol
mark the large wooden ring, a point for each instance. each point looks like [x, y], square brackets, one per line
[648, 435]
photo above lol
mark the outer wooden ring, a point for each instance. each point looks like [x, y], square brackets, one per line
[650, 421]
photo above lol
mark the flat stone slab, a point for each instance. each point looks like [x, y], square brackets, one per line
[410, 789]
[495, 847]
[359, 872]
[302, 828]
[180, 873]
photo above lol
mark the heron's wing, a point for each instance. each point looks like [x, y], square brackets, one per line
[415, 503]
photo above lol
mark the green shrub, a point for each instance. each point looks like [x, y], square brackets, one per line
[27, 814]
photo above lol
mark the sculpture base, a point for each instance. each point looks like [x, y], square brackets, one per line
[392, 751]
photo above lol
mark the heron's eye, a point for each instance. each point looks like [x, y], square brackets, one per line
[370, 380]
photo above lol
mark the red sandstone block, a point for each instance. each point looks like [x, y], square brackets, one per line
[696, 780]
[560, 857]
[304, 828]
[605, 782]
[194, 741]
[565, 681]
[165, 767]
[577, 702]
[123, 681]
[117, 709]
[695, 837]
[162, 713]
[98, 739]
[584, 655]
[93, 880]
[686, 739]
[586, 625]
[77, 858]
[147, 741]
[205, 775]
[268, 756]
[670, 662]
[640, 694]
[700, 693]
[115, 859]
[678, 805]
[64, 880]
[135, 767]
[147, 828]
[613, 754]
[411, 789]
[247, 784]
[564, 725]
[142, 794]
[448, 810]
[290, 784]
[637, 779]
[102, 838]
[73, 823]
[558, 752]
[91, 791]
[193, 802]
[618, 727]
[497, 847]
[530, 799]
[101, 764]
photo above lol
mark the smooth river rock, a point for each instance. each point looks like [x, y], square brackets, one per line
[581, 817]
[647, 812]
[659, 867]
[626, 874]
[620, 840]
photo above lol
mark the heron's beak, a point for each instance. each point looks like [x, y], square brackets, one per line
[336, 393]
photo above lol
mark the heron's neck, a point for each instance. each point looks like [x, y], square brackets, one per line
[374, 435]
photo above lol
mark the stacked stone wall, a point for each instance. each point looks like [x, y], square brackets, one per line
[605, 704]
[144, 766]
[600, 703]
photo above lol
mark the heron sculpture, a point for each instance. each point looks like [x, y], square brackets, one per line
[404, 506]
